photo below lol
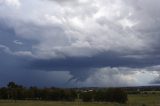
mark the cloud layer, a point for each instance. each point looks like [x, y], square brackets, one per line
[83, 38]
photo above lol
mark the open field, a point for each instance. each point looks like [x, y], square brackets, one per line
[147, 99]
[134, 100]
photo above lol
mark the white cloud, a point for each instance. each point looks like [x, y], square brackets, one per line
[84, 28]
[122, 76]
[18, 42]
[14, 3]
[24, 53]
[7, 50]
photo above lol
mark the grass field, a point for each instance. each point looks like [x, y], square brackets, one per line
[134, 100]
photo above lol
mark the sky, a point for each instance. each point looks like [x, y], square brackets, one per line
[80, 43]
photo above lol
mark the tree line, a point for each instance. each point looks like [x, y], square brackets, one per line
[18, 92]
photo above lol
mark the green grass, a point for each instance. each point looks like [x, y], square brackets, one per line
[147, 99]
[44, 103]
[134, 100]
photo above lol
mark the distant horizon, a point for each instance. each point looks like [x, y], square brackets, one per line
[149, 85]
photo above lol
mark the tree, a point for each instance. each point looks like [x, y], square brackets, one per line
[14, 90]
[4, 93]
[117, 95]
[87, 96]
[111, 95]
[11, 90]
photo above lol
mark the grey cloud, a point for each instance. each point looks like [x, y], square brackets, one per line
[121, 76]
[82, 67]
[72, 33]
[81, 37]
[5, 49]
[64, 0]
[86, 72]
[14, 3]
[8, 36]
[156, 81]
[12, 68]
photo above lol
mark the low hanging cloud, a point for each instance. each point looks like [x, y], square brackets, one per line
[122, 76]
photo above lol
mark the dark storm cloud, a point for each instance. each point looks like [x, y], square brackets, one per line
[157, 81]
[101, 60]
[82, 67]
[13, 68]
[84, 38]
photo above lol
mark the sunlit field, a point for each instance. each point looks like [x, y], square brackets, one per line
[133, 100]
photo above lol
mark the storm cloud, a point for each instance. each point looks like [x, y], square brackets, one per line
[80, 40]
